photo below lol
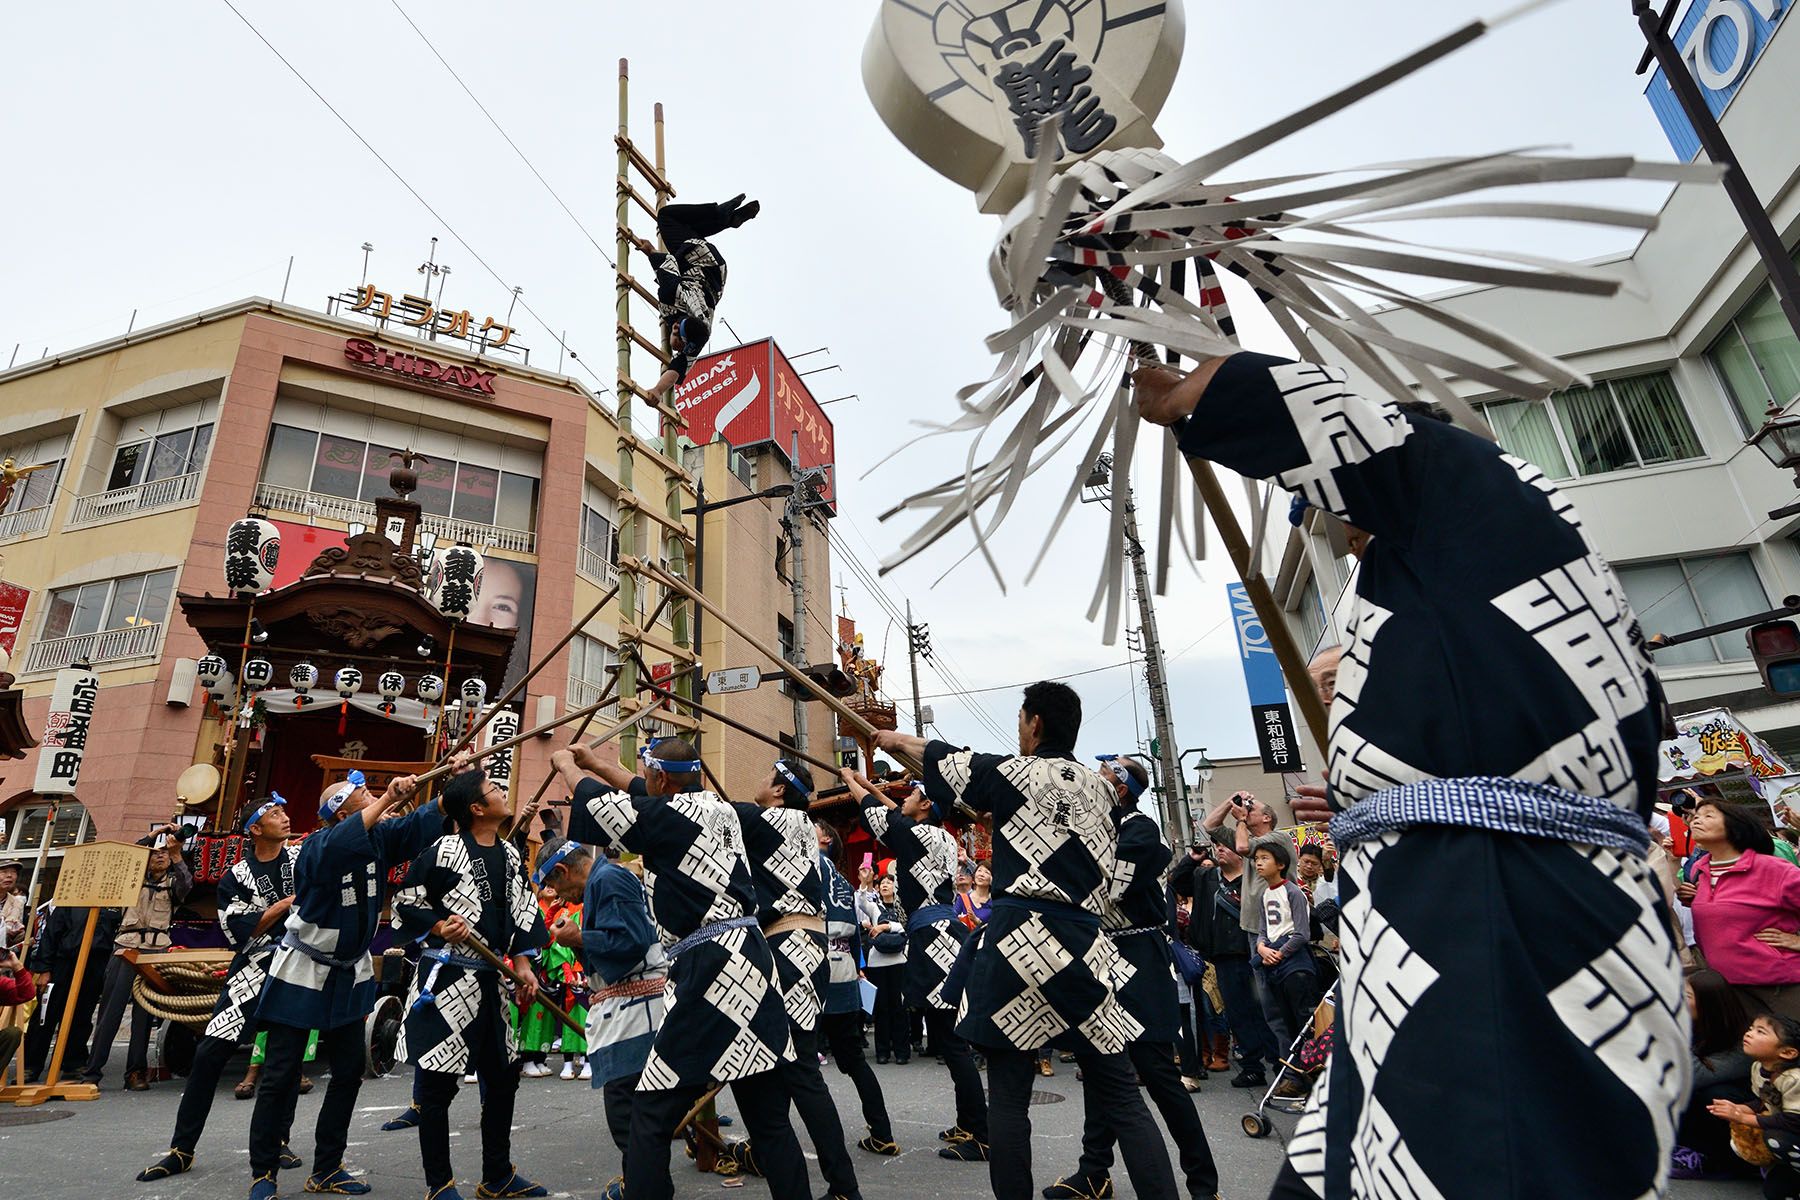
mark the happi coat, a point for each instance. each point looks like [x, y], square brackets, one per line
[843, 934]
[1044, 974]
[321, 976]
[784, 862]
[925, 857]
[726, 1019]
[1136, 918]
[452, 993]
[245, 893]
[627, 971]
[1494, 739]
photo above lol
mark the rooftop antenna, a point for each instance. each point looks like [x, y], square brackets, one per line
[367, 249]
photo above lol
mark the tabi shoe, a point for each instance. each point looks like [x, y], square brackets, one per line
[874, 1145]
[172, 1163]
[1249, 1077]
[587, 1070]
[337, 1183]
[136, 1081]
[513, 1185]
[286, 1159]
[742, 1155]
[1080, 1187]
[263, 1187]
[967, 1150]
[568, 1071]
[614, 1190]
[447, 1192]
[406, 1120]
[956, 1133]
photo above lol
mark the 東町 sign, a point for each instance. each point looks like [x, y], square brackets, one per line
[1719, 40]
[733, 679]
[964, 83]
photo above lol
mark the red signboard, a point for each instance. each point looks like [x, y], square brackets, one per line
[12, 614]
[750, 396]
[361, 350]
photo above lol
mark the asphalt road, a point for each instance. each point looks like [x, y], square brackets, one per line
[78, 1151]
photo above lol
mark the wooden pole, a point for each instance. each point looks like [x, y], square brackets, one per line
[494, 960]
[52, 1088]
[444, 768]
[605, 698]
[236, 764]
[444, 700]
[514, 690]
[741, 727]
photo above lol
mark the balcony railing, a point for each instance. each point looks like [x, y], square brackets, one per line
[338, 508]
[135, 500]
[582, 693]
[596, 568]
[109, 645]
[24, 523]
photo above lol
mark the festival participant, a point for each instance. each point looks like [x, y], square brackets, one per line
[726, 1020]
[468, 887]
[144, 928]
[690, 276]
[321, 976]
[1136, 919]
[254, 899]
[1043, 972]
[1493, 739]
[924, 866]
[841, 1024]
[619, 950]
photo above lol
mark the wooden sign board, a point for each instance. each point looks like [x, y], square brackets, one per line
[101, 875]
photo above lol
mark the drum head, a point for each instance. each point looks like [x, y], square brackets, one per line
[198, 784]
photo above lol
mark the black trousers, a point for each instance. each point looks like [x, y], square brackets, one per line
[115, 994]
[762, 1102]
[47, 1023]
[843, 1037]
[499, 1076]
[971, 1104]
[1296, 996]
[616, 1097]
[1156, 1069]
[680, 223]
[278, 1091]
[1107, 1086]
[1192, 1065]
[805, 1085]
[892, 1035]
[197, 1097]
[1243, 1012]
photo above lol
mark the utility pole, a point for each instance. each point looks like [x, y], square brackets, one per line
[918, 641]
[794, 524]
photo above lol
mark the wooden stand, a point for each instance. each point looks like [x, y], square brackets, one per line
[52, 1088]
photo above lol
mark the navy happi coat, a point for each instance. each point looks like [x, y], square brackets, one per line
[243, 896]
[784, 861]
[925, 882]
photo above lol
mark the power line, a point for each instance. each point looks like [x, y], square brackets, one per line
[1007, 687]
[415, 193]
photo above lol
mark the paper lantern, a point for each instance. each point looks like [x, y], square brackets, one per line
[431, 689]
[302, 678]
[348, 681]
[258, 674]
[474, 693]
[252, 547]
[391, 684]
[456, 581]
[209, 672]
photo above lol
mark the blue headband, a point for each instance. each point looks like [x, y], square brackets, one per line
[1297, 509]
[787, 773]
[274, 801]
[677, 766]
[328, 807]
[1132, 783]
[550, 864]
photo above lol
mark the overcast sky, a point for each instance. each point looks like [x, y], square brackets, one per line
[164, 161]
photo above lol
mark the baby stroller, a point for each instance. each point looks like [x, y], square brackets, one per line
[1305, 1058]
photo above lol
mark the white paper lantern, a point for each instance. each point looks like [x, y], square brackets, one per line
[209, 672]
[252, 547]
[258, 674]
[348, 681]
[456, 581]
[431, 689]
[301, 679]
[391, 684]
[474, 693]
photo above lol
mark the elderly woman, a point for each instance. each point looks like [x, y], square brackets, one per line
[1746, 905]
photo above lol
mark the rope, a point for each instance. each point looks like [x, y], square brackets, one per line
[196, 992]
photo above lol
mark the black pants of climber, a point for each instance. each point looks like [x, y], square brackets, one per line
[1107, 1086]
[499, 1075]
[805, 1085]
[1156, 1069]
[278, 1091]
[843, 1037]
[680, 223]
[47, 1024]
[971, 1105]
[762, 1103]
[197, 1097]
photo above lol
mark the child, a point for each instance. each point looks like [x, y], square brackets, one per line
[1773, 1044]
[1281, 947]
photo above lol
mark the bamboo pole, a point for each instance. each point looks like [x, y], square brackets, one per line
[445, 768]
[605, 698]
[695, 705]
[494, 960]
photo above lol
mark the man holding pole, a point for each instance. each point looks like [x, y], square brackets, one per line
[1494, 738]
[321, 976]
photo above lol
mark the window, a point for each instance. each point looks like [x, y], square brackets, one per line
[784, 630]
[166, 456]
[109, 604]
[35, 490]
[1309, 615]
[598, 535]
[1615, 425]
[1682, 594]
[353, 469]
[25, 836]
[589, 659]
[1758, 358]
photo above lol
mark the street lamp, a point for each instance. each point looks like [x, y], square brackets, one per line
[1204, 769]
[1779, 440]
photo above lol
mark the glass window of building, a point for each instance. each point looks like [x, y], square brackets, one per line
[109, 604]
[169, 454]
[289, 459]
[1678, 595]
[1615, 425]
[36, 489]
[352, 469]
[1758, 358]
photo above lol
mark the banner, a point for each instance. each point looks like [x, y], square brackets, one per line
[751, 395]
[66, 732]
[12, 614]
[1276, 737]
[505, 724]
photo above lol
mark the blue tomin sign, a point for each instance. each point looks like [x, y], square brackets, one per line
[1269, 711]
[1719, 40]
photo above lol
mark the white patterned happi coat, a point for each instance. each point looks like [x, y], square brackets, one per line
[245, 893]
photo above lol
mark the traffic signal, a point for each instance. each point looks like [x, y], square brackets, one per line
[1776, 647]
[831, 677]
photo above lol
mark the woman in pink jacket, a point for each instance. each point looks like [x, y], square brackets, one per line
[1746, 906]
